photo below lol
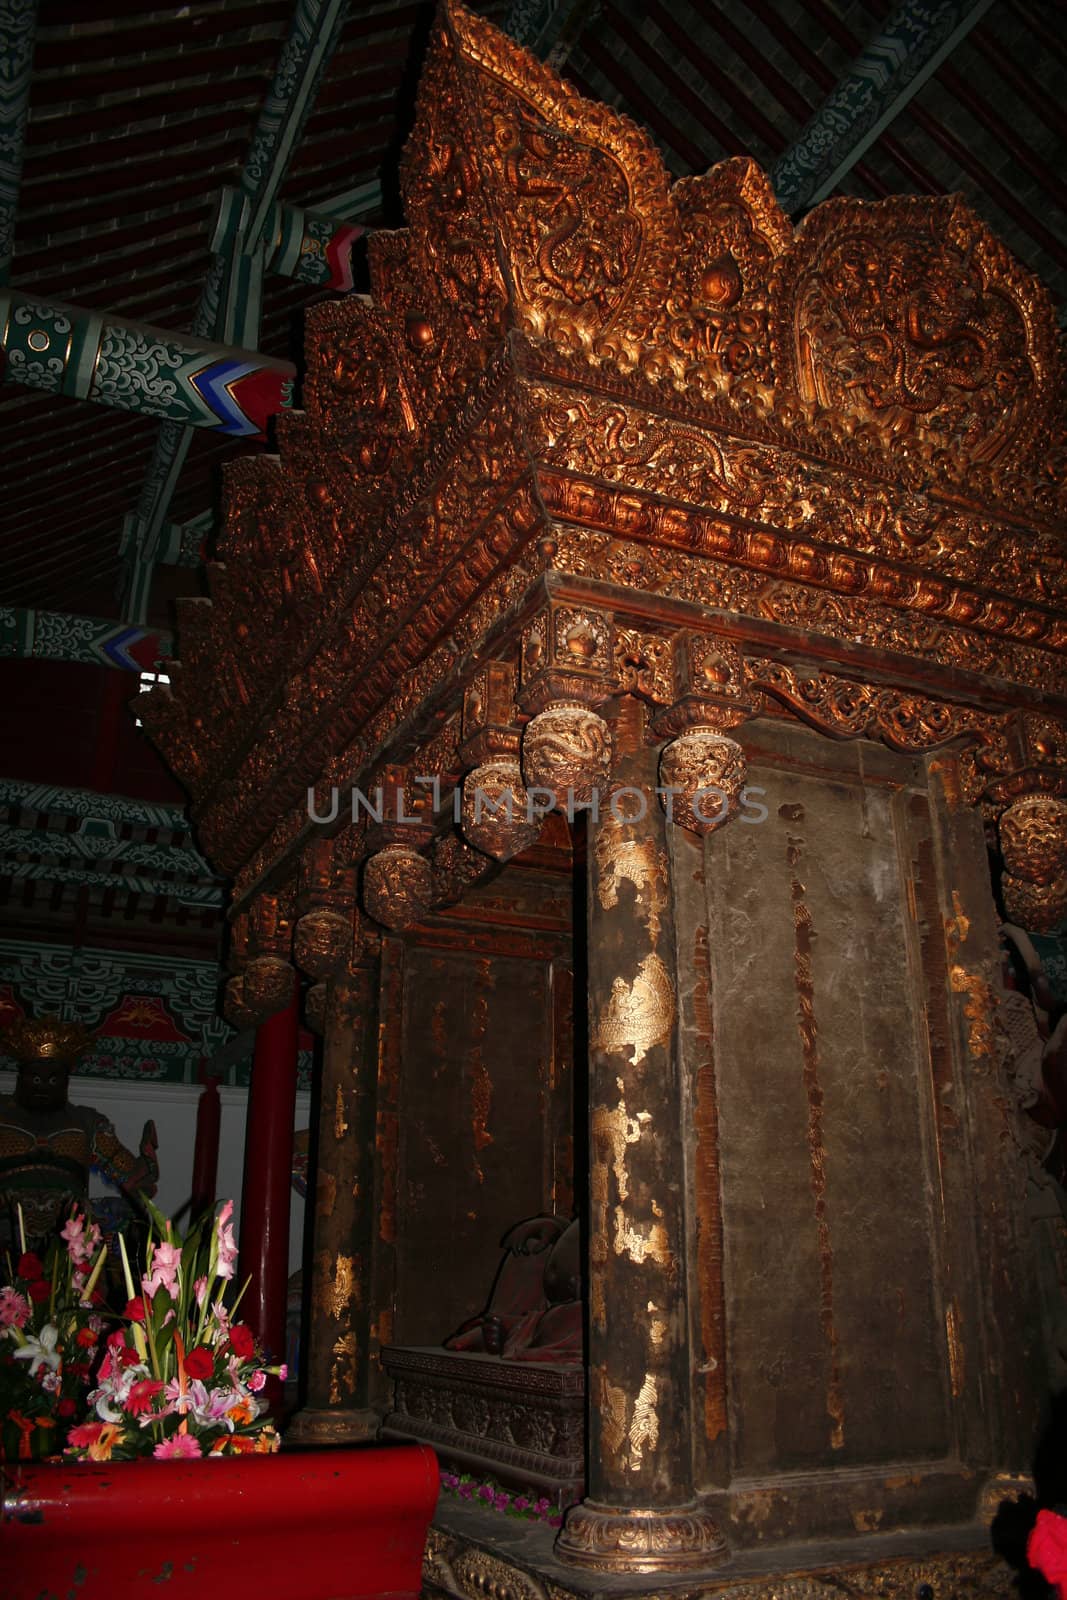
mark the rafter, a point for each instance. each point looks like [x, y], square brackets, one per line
[893, 66]
[18, 24]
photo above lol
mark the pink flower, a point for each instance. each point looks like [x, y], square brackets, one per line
[141, 1395]
[164, 1273]
[200, 1290]
[180, 1447]
[14, 1309]
[81, 1241]
[227, 1246]
[256, 1381]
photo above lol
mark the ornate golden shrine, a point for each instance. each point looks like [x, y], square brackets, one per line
[610, 470]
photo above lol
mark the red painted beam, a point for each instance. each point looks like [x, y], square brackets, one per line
[268, 1172]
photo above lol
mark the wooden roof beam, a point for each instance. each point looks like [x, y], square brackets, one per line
[18, 27]
[893, 66]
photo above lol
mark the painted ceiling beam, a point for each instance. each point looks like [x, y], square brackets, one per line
[130, 366]
[310, 246]
[907, 50]
[18, 26]
[550, 28]
[230, 299]
[95, 641]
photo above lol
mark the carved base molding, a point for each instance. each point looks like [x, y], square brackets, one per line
[627, 1539]
[523, 1423]
[457, 1569]
[324, 1426]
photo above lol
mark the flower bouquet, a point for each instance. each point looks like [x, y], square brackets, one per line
[50, 1328]
[179, 1378]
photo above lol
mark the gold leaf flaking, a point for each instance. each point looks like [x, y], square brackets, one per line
[639, 1016]
[978, 1010]
[644, 1429]
[636, 861]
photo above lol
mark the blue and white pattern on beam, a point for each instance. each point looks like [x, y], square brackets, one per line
[18, 20]
[549, 28]
[896, 63]
[58, 636]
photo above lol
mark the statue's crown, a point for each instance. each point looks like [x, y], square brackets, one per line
[45, 1039]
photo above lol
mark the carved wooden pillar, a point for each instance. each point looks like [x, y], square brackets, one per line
[640, 1514]
[336, 1406]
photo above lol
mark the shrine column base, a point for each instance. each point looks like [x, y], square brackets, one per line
[336, 1409]
[641, 1514]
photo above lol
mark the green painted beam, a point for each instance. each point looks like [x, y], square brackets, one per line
[893, 67]
[27, 634]
[18, 24]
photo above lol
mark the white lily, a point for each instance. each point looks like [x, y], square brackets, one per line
[41, 1352]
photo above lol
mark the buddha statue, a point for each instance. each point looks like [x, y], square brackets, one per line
[534, 1312]
[47, 1145]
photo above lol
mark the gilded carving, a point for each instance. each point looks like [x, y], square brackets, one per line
[844, 434]
[644, 1427]
[978, 1009]
[397, 886]
[703, 773]
[336, 1284]
[345, 1352]
[567, 749]
[496, 810]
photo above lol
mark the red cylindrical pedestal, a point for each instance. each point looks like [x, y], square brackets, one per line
[354, 1521]
[268, 1170]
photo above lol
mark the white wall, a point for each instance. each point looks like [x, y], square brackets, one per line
[172, 1106]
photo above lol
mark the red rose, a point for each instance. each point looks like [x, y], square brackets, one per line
[241, 1341]
[1047, 1547]
[199, 1363]
[66, 1407]
[85, 1337]
[29, 1266]
[40, 1290]
[129, 1356]
[135, 1309]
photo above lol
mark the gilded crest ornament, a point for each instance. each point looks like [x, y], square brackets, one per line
[267, 985]
[703, 773]
[397, 886]
[322, 942]
[496, 809]
[45, 1038]
[567, 751]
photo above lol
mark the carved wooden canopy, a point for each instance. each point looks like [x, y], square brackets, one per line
[595, 431]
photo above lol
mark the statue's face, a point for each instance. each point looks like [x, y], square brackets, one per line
[42, 1086]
